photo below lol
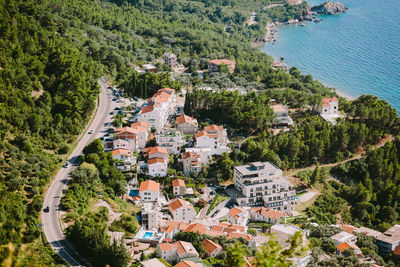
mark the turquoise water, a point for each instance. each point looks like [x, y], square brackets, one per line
[357, 52]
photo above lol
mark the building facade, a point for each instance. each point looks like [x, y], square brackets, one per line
[186, 124]
[182, 210]
[262, 183]
[149, 191]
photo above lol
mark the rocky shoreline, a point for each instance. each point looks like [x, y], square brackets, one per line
[327, 8]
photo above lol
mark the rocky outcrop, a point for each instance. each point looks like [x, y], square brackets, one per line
[329, 8]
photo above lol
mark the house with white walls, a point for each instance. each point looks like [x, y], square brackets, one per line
[149, 191]
[182, 210]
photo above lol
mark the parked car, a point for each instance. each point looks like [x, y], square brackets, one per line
[66, 164]
[91, 131]
[114, 99]
[47, 209]
[111, 113]
[135, 98]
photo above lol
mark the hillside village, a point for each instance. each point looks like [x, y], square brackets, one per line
[260, 200]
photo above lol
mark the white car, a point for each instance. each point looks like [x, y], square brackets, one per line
[91, 131]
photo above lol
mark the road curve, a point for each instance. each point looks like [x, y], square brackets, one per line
[50, 220]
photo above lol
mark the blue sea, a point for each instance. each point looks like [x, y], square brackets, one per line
[357, 52]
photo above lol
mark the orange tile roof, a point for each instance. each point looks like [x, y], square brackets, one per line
[211, 232]
[213, 128]
[184, 247]
[210, 246]
[155, 160]
[166, 247]
[269, 213]
[221, 61]
[156, 149]
[235, 211]
[190, 154]
[186, 263]
[201, 133]
[149, 185]
[326, 101]
[126, 129]
[248, 237]
[159, 97]
[140, 123]
[147, 109]
[178, 203]
[183, 118]
[125, 152]
[343, 246]
[175, 225]
[196, 227]
[348, 228]
[178, 182]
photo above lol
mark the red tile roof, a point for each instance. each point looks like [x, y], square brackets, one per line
[190, 154]
[140, 123]
[235, 211]
[178, 203]
[149, 185]
[348, 228]
[166, 247]
[210, 246]
[269, 213]
[183, 118]
[326, 101]
[213, 128]
[155, 160]
[156, 149]
[121, 151]
[343, 246]
[178, 182]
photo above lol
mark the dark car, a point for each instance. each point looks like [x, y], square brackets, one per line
[135, 98]
[114, 99]
[47, 209]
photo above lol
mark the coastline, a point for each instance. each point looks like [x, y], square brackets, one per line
[270, 37]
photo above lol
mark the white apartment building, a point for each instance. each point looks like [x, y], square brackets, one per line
[262, 183]
[238, 216]
[191, 163]
[137, 136]
[186, 124]
[122, 144]
[179, 187]
[342, 237]
[282, 117]
[170, 139]
[156, 152]
[182, 210]
[389, 240]
[170, 60]
[329, 106]
[149, 191]
[151, 215]
[158, 108]
[213, 137]
[157, 167]
[142, 138]
[125, 158]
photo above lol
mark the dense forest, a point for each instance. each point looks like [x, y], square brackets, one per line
[368, 191]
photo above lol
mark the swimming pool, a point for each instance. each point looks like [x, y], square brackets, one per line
[147, 235]
[133, 193]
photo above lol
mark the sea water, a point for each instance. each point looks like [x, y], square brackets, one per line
[357, 52]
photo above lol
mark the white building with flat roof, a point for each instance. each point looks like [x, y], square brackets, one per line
[262, 183]
[170, 139]
[282, 117]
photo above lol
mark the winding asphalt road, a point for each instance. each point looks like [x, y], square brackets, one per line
[51, 219]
